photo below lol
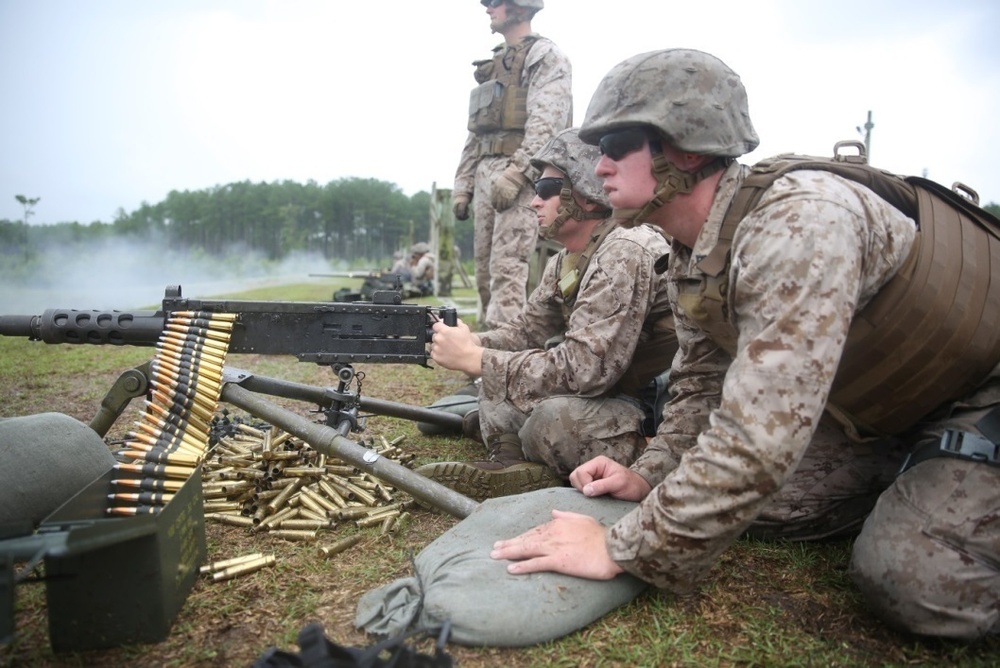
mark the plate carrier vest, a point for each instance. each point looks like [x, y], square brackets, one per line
[930, 336]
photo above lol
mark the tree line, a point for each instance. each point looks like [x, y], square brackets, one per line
[360, 221]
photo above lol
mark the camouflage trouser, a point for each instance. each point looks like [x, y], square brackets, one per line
[563, 432]
[504, 241]
[928, 556]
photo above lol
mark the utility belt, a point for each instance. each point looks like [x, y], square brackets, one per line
[505, 145]
[959, 444]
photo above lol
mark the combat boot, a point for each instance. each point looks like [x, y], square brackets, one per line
[506, 472]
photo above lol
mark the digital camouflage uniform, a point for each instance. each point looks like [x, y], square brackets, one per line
[745, 445]
[748, 443]
[504, 240]
[562, 401]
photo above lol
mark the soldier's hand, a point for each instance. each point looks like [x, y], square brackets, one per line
[507, 188]
[603, 476]
[571, 543]
[457, 348]
[460, 206]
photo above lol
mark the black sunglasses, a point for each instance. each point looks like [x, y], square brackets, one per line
[548, 187]
[492, 3]
[616, 145]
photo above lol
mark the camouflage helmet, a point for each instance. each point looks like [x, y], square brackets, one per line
[695, 101]
[528, 4]
[577, 161]
[420, 248]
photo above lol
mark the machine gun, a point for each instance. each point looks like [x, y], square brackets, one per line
[328, 333]
[377, 286]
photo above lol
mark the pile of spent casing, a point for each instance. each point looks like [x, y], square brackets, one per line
[266, 480]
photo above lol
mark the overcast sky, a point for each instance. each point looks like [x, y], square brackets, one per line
[109, 103]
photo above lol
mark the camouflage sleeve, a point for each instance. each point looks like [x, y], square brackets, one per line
[614, 299]
[539, 320]
[549, 78]
[803, 261]
[465, 175]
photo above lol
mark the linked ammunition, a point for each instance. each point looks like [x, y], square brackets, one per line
[150, 484]
[133, 510]
[210, 315]
[156, 470]
[149, 498]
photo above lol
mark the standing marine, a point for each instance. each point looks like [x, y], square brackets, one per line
[522, 99]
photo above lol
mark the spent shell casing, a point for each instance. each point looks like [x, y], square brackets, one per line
[221, 506]
[245, 568]
[230, 519]
[278, 502]
[304, 524]
[355, 512]
[309, 504]
[303, 471]
[319, 502]
[226, 563]
[286, 513]
[293, 534]
[309, 513]
[362, 495]
[332, 494]
[375, 519]
[327, 551]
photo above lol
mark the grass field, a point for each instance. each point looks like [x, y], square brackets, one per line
[764, 604]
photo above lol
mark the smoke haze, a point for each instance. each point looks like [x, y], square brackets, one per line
[125, 275]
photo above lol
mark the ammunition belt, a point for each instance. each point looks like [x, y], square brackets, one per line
[172, 435]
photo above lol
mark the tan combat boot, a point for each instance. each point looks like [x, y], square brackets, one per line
[506, 472]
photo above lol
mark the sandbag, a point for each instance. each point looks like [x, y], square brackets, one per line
[47, 458]
[455, 579]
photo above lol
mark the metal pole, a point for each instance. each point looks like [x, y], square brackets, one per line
[317, 395]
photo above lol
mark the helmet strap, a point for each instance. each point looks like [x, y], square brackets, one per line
[671, 181]
[568, 208]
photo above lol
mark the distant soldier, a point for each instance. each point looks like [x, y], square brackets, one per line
[422, 263]
[401, 266]
[572, 376]
[523, 99]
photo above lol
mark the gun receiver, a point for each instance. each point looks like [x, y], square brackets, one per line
[326, 333]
